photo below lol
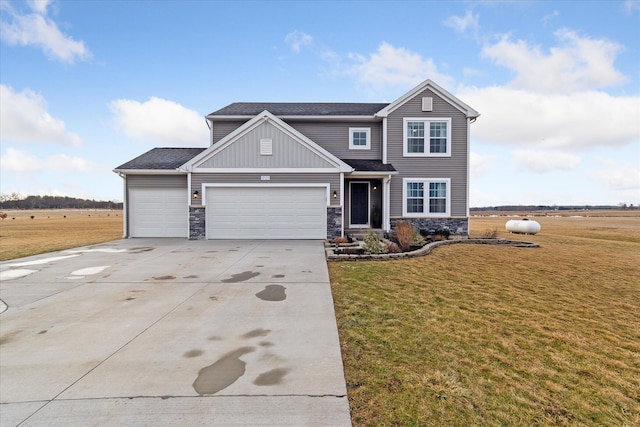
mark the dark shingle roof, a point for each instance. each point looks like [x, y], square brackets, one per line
[300, 109]
[369, 165]
[162, 158]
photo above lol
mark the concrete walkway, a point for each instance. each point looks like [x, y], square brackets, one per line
[171, 332]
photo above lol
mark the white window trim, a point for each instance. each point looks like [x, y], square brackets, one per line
[426, 182]
[427, 127]
[360, 147]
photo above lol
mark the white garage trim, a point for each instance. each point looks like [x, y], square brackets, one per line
[205, 186]
[158, 212]
[266, 211]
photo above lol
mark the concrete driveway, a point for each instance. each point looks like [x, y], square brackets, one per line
[171, 332]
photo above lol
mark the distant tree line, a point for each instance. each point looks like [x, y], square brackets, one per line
[528, 208]
[14, 201]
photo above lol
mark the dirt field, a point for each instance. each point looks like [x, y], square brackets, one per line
[31, 232]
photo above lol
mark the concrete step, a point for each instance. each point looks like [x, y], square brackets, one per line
[361, 233]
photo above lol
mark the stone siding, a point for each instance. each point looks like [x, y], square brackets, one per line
[456, 226]
[197, 226]
[334, 221]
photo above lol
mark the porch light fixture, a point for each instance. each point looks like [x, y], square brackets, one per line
[196, 194]
[375, 187]
[335, 194]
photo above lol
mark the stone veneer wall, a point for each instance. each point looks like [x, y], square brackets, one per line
[334, 221]
[456, 226]
[197, 230]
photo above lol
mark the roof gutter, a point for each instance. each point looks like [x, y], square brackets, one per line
[123, 172]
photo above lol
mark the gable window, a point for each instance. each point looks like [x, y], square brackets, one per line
[424, 137]
[423, 197]
[359, 138]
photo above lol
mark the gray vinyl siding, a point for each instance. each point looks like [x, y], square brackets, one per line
[222, 129]
[333, 179]
[334, 137]
[454, 167]
[157, 181]
[286, 152]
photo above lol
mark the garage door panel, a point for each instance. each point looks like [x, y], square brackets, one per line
[158, 212]
[266, 213]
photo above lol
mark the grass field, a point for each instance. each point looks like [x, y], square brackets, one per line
[484, 335]
[53, 230]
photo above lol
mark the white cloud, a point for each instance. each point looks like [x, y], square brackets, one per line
[37, 29]
[159, 121]
[461, 24]
[39, 6]
[527, 119]
[396, 66]
[19, 161]
[577, 64]
[24, 118]
[632, 6]
[297, 40]
[541, 161]
[618, 175]
[480, 163]
[550, 17]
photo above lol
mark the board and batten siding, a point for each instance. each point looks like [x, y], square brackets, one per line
[286, 152]
[333, 179]
[454, 167]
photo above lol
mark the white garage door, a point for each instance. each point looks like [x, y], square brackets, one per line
[266, 213]
[158, 212]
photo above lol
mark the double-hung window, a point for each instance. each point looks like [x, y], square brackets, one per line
[423, 197]
[425, 137]
[359, 138]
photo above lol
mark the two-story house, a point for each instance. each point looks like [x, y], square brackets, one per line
[309, 171]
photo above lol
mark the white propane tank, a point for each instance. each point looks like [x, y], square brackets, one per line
[523, 226]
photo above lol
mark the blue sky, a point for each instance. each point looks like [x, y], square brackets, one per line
[88, 85]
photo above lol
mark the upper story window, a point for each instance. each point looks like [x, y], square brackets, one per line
[424, 197]
[359, 138]
[425, 137]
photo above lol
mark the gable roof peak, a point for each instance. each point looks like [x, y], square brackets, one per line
[437, 89]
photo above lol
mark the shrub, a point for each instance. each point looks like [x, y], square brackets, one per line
[373, 245]
[442, 234]
[404, 235]
[337, 240]
[490, 233]
[418, 240]
[393, 248]
[32, 216]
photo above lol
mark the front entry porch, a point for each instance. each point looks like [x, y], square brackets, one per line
[363, 204]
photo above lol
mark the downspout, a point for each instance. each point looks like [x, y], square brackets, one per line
[210, 131]
[469, 121]
[342, 203]
[384, 140]
[125, 220]
[189, 204]
[386, 214]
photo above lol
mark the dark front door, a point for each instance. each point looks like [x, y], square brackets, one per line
[359, 203]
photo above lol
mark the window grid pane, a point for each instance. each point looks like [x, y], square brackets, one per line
[415, 137]
[360, 138]
[438, 137]
[415, 197]
[438, 197]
